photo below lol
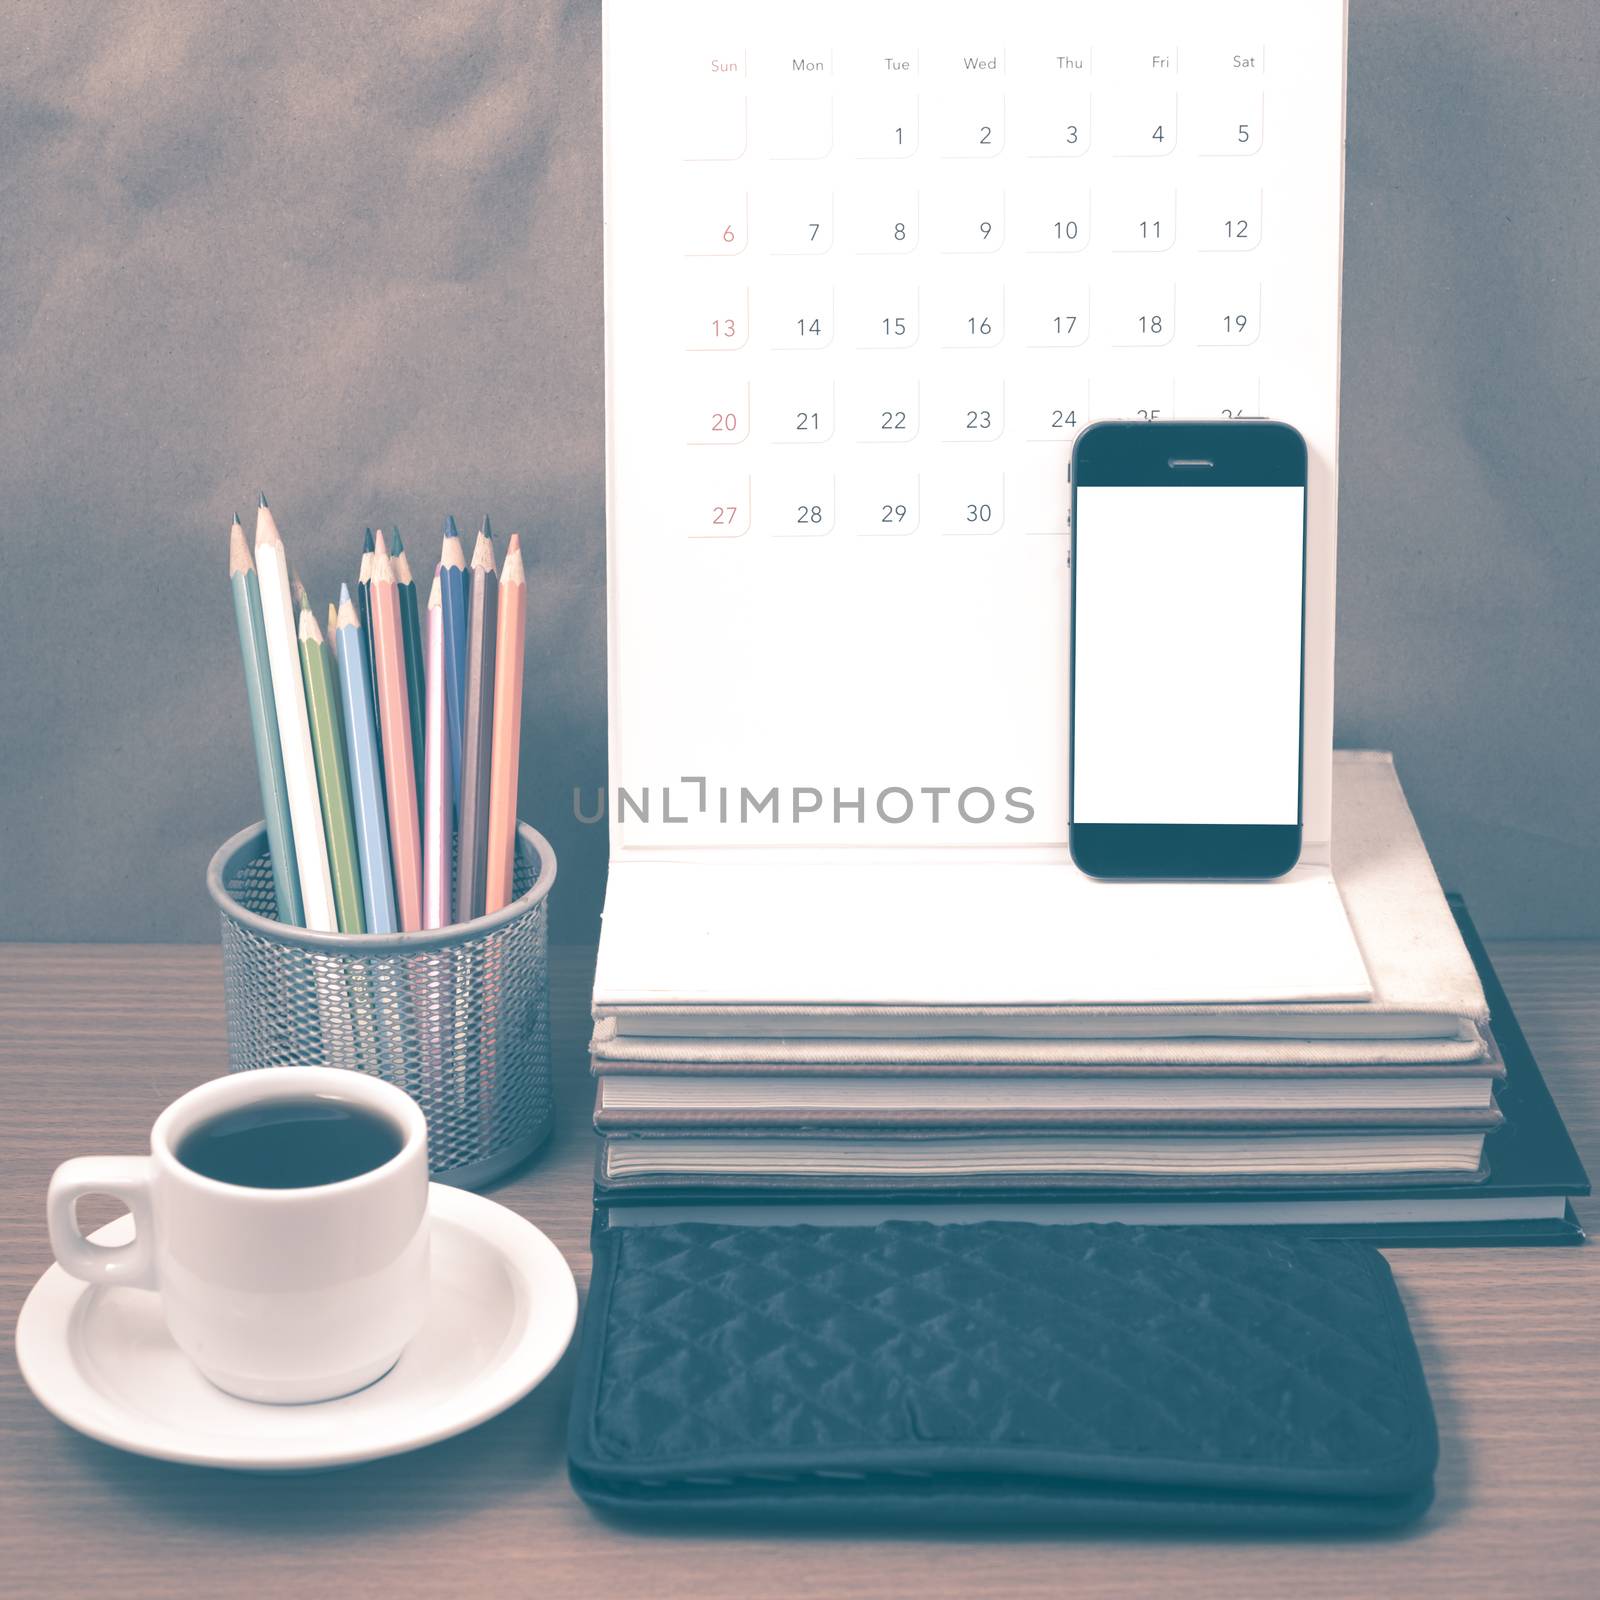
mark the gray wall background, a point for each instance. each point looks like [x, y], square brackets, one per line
[352, 254]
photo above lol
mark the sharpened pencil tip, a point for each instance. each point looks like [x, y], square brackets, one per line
[450, 529]
[261, 498]
[486, 531]
[483, 554]
[396, 547]
[267, 528]
[344, 594]
[513, 543]
[366, 541]
[380, 546]
[236, 522]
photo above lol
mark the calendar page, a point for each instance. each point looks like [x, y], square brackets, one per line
[869, 269]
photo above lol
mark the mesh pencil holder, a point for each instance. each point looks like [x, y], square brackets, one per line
[459, 1017]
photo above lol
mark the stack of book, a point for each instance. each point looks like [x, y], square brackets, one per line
[1400, 1112]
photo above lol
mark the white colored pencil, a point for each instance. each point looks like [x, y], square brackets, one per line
[294, 727]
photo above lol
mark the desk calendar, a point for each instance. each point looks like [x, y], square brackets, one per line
[869, 269]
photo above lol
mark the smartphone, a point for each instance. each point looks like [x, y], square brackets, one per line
[1188, 649]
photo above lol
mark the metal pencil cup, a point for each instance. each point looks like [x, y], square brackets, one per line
[459, 1018]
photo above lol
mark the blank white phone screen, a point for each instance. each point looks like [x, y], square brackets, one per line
[1187, 655]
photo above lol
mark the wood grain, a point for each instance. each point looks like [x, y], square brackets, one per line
[94, 1040]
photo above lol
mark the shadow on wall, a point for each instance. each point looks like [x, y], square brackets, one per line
[356, 263]
[1469, 557]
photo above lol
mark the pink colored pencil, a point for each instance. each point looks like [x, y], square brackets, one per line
[506, 745]
[394, 718]
[437, 796]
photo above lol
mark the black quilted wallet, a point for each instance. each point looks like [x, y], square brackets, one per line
[998, 1372]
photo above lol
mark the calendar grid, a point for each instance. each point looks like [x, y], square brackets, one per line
[870, 271]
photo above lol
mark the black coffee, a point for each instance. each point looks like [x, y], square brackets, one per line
[291, 1144]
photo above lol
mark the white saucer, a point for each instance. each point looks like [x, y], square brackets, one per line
[504, 1307]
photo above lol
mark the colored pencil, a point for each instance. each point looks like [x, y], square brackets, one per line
[453, 600]
[264, 725]
[366, 775]
[327, 742]
[436, 841]
[394, 719]
[411, 630]
[506, 741]
[294, 728]
[333, 629]
[477, 728]
[364, 610]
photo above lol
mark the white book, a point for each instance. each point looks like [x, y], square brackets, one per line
[627, 1100]
[935, 950]
[611, 1050]
[1192, 1159]
[775, 934]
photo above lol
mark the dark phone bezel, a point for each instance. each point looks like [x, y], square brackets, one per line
[1236, 454]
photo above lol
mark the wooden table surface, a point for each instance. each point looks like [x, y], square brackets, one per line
[95, 1040]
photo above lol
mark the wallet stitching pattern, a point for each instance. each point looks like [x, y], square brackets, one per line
[1366, 1270]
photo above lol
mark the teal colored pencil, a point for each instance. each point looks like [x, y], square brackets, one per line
[472, 837]
[453, 602]
[411, 633]
[264, 726]
[366, 774]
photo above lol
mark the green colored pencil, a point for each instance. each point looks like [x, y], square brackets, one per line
[264, 727]
[333, 780]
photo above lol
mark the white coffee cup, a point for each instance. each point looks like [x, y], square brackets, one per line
[282, 1295]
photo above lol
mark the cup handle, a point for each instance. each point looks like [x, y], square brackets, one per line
[124, 1178]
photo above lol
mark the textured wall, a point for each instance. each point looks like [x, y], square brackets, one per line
[1469, 536]
[352, 253]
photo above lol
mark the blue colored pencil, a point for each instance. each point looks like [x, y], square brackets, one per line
[366, 776]
[453, 602]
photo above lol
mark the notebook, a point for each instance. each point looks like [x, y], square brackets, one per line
[868, 271]
[611, 1051]
[983, 978]
[1440, 1215]
[1109, 1095]
[1532, 1172]
[1060, 1157]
